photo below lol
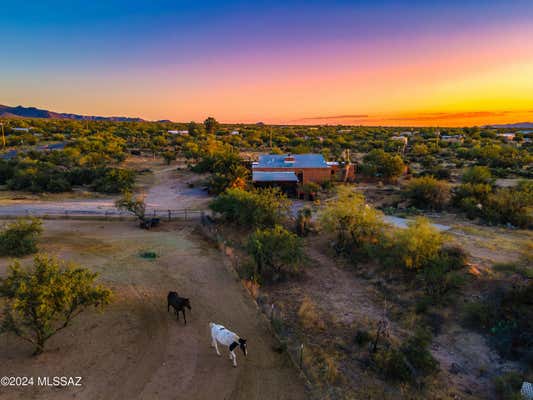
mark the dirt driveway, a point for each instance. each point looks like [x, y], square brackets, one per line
[164, 189]
[135, 349]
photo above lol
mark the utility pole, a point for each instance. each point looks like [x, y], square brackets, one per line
[271, 138]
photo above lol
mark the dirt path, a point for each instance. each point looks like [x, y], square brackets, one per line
[136, 350]
[165, 189]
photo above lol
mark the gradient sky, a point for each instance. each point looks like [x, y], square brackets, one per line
[356, 62]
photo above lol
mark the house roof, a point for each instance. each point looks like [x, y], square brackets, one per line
[300, 161]
[268, 176]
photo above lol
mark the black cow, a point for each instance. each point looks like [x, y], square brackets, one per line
[179, 304]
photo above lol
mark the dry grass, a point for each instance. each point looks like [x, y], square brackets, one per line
[309, 316]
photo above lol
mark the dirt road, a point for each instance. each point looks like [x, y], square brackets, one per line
[135, 349]
[164, 189]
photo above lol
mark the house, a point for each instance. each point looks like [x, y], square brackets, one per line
[507, 136]
[298, 168]
[234, 133]
[305, 168]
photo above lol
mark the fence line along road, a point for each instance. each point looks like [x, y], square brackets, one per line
[169, 215]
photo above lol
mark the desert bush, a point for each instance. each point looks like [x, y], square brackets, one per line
[410, 360]
[44, 299]
[510, 206]
[132, 204]
[506, 314]
[277, 253]
[362, 337]
[415, 247]
[428, 192]
[379, 164]
[256, 208]
[303, 221]
[115, 180]
[19, 238]
[308, 315]
[358, 226]
[508, 386]
[478, 175]
[310, 190]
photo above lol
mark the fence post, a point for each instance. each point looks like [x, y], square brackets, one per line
[301, 354]
[154, 213]
[169, 215]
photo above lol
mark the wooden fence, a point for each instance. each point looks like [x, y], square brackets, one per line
[166, 215]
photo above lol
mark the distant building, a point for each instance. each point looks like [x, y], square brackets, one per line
[507, 136]
[174, 132]
[234, 133]
[452, 138]
[406, 133]
[21, 129]
[402, 139]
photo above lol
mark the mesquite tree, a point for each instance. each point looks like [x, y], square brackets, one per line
[42, 300]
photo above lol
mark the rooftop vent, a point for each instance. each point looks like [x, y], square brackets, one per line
[289, 160]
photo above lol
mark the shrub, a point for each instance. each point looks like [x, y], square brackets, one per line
[416, 246]
[358, 226]
[362, 338]
[309, 316]
[428, 192]
[115, 180]
[303, 221]
[257, 208]
[19, 238]
[510, 205]
[508, 386]
[478, 315]
[410, 360]
[377, 163]
[277, 253]
[478, 175]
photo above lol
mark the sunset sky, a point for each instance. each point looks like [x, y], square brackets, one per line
[444, 63]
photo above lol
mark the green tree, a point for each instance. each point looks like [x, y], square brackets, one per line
[478, 174]
[380, 164]
[19, 238]
[276, 252]
[416, 246]
[132, 204]
[357, 225]
[428, 192]
[169, 156]
[211, 125]
[43, 300]
[257, 208]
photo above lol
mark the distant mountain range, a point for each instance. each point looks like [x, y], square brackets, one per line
[519, 125]
[32, 112]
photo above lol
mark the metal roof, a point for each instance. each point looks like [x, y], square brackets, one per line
[300, 161]
[267, 176]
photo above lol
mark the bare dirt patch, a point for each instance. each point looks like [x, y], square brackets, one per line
[135, 349]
